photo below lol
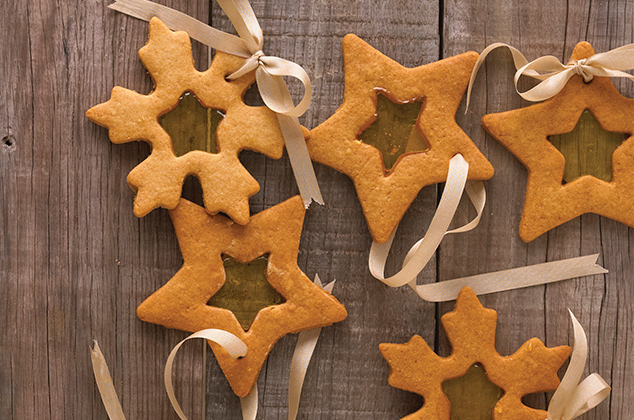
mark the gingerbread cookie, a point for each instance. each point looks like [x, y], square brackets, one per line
[132, 116]
[470, 327]
[417, 142]
[525, 132]
[185, 302]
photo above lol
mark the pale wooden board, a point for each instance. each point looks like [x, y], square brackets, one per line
[76, 262]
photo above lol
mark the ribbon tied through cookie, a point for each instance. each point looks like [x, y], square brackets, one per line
[269, 73]
[304, 348]
[422, 251]
[554, 75]
[572, 398]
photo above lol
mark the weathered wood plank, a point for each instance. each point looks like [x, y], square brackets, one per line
[603, 304]
[539, 29]
[348, 376]
[76, 262]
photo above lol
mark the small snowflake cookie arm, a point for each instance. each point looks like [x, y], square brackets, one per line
[533, 368]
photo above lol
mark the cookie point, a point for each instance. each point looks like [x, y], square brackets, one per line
[296, 201]
[467, 293]
[350, 38]
[157, 24]
[582, 50]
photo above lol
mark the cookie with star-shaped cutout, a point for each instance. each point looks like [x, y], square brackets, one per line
[184, 302]
[131, 116]
[549, 200]
[471, 328]
[340, 142]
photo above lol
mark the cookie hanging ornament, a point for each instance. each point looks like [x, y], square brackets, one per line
[577, 145]
[395, 131]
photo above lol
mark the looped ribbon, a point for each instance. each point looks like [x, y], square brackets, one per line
[607, 64]
[269, 73]
[422, 251]
[572, 399]
[306, 343]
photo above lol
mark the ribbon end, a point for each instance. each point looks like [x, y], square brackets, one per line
[317, 198]
[599, 268]
[95, 350]
[327, 287]
[115, 6]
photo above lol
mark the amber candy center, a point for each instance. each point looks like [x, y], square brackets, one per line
[588, 149]
[246, 290]
[472, 396]
[394, 131]
[192, 126]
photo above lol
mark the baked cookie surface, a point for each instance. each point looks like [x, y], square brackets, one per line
[386, 193]
[131, 116]
[471, 329]
[184, 302]
[549, 200]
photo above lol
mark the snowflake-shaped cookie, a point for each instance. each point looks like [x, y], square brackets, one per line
[470, 327]
[131, 116]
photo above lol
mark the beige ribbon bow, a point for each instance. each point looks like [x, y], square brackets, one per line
[572, 398]
[269, 73]
[608, 64]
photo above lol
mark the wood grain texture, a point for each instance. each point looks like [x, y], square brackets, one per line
[75, 262]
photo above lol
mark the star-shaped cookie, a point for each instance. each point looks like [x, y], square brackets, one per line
[524, 132]
[335, 143]
[131, 116]
[471, 328]
[204, 240]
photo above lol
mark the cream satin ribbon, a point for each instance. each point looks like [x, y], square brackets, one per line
[269, 73]
[306, 343]
[422, 251]
[608, 64]
[572, 398]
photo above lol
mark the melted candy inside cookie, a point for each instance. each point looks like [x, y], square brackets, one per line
[472, 396]
[394, 131]
[246, 290]
[588, 149]
[192, 126]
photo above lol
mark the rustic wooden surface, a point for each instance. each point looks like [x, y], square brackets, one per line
[75, 262]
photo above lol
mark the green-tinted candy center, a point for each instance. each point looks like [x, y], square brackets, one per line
[246, 290]
[588, 149]
[192, 126]
[394, 130]
[472, 396]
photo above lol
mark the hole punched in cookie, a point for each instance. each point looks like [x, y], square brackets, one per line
[246, 289]
[472, 396]
[588, 149]
[191, 125]
[393, 131]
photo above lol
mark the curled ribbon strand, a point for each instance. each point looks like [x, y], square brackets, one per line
[304, 349]
[554, 75]
[572, 398]
[269, 73]
[422, 251]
